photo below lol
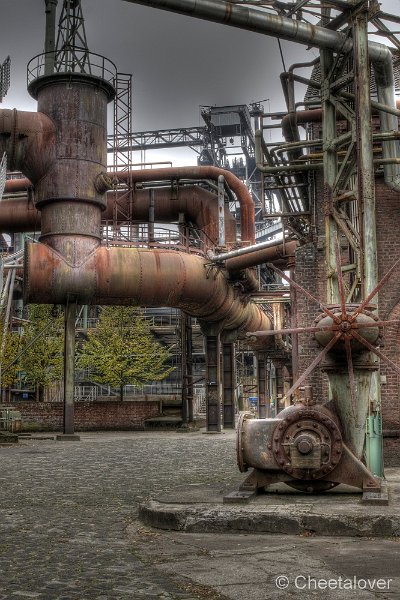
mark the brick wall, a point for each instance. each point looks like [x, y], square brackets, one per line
[310, 274]
[89, 416]
[307, 275]
[388, 242]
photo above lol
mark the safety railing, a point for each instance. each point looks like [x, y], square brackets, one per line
[71, 61]
[114, 234]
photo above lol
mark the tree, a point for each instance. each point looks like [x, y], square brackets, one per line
[122, 350]
[42, 361]
[9, 348]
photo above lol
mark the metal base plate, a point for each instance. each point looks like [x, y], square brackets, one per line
[240, 497]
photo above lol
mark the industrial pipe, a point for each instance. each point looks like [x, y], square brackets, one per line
[237, 186]
[387, 136]
[280, 254]
[137, 276]
[19, 184]
[251, 19]
[28, 139]
[198, 205]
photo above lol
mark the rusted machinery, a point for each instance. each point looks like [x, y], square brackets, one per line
[62, 151]
[314, 447]
[311, 446]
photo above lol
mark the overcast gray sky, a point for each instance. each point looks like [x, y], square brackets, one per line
[178, 63]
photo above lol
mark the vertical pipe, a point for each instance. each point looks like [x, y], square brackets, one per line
[151, 217]
[273, 388]
[50, 36]
[184, 369]
[229, 384]
[221, 210]
[294, 323]
[69, 367]
[189, 366]
[366, 191]
[263, 404]
[213, 383]
[280, 391]
[330, 171]
[85, 317]
[365, 164]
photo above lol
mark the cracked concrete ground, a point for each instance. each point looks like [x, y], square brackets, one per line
[69, 529]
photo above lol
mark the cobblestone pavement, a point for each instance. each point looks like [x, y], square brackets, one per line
[68, 528]
[65, 507]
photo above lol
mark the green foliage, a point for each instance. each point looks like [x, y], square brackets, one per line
[122, 350]
[42, 361]
[10, 346]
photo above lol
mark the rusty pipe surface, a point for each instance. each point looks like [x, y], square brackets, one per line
[278, 253]
[19, 215]
[236, 185]
[136, 276]
[28, 138]
[20, 184]
[198, 205]
[259, 21]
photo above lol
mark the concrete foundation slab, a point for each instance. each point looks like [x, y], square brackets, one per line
[339, 512]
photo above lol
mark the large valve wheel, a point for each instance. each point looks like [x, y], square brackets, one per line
[345, 328]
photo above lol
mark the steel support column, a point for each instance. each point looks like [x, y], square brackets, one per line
[229, 384]
[213, 382]
[50, 37]
[263, 402]
[366, 191]
[187, 368]
[274, 388]
[330, 171]
[69, 367]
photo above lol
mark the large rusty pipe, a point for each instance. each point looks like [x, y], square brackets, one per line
[198, 205]
[136, 276]
[19, 215]
[236, 185]
[19, 184]
[28, 139]
[279, 254]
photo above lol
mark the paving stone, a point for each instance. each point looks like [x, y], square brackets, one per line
[65, 509]
[69, 528]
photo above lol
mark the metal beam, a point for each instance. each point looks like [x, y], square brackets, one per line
[154, 140]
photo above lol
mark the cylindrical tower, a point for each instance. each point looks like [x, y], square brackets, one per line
[67, 195]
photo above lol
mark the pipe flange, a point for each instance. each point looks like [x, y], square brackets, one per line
[243, 416]
[302, 431]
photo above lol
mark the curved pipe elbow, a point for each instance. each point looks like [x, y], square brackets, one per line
[28, 138]
[132, 276]
[247, 222]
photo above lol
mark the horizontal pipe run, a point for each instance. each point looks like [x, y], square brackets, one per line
[135, 276]
[280, 253]
[259, 21]
[28, 139]
[236, 185]
[217, 258]
[198, 205]
[251, 19]
[19, 184]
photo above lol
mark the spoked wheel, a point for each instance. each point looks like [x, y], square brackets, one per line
[344, 328]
